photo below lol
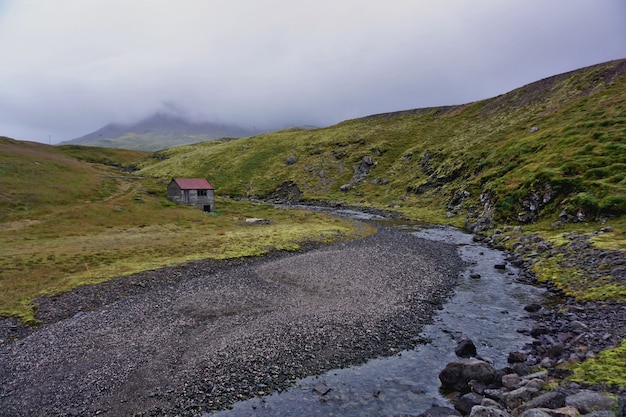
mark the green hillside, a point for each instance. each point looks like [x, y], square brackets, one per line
[70, 216]
[151, 141]
[554, 147]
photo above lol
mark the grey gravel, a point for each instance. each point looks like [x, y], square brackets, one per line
[196, 338]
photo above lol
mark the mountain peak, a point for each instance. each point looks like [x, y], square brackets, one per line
[159, 131]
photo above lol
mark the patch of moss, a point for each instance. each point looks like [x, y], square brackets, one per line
[613, 291]
[608, 368]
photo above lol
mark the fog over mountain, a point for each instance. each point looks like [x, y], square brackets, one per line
[164, 123]
[70, 67]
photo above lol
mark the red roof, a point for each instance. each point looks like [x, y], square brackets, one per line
[193, 184]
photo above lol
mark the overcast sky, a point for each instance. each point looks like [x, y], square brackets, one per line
[69, 67]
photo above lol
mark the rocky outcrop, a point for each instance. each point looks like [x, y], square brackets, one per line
[287, 193]
[361, 171]
[541, 195]
[481, 220]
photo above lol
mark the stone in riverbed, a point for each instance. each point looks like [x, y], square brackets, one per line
[553, 399]
[510, 380]
[457, 374]
[321, 388]
[517, 357]
[589, 401]
[523, 394]
[481, 411]
[466, 402]
[465, 349]
[533, 308]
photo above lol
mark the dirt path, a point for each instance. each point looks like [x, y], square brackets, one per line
[198, 338]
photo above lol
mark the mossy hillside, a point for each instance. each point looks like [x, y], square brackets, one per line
[67, 223]
[425, 158]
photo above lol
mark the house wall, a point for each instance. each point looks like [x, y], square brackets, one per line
[175, 193]
[202, 202]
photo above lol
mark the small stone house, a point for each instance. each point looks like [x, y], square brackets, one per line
[192, 191]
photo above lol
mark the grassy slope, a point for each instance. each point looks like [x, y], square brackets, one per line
[579, 150]
[68, 218]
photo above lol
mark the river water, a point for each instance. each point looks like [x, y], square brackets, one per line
[489, 310]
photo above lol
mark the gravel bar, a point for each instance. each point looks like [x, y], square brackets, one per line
[194, 338]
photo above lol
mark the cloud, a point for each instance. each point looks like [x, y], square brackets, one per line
[70, 67]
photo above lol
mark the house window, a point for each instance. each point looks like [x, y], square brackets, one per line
[201, 193]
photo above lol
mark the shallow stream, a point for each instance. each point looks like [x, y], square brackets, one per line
[489, 310]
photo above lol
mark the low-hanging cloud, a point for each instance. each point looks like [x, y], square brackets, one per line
[70, 67]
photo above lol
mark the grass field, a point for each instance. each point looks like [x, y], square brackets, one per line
[72, 222]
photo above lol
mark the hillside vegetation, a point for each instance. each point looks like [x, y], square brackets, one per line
[554, 150]
[71, 216]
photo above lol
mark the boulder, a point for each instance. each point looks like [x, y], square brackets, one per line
[321, 388]
[533, 308]
[254, 221]
[457, 374]
[590, 401]
[482, 411]
[517, 357]
[465, 349]
[510, 380]
[523, 394]
[465, 403]
[552, 399]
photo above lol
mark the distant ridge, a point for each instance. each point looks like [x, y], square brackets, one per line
[158, 132]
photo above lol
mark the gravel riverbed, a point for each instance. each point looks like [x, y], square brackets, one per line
[190, 339]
